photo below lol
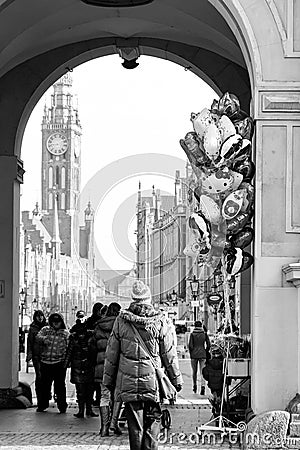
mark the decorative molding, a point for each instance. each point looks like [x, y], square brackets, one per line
[283, 102]
[286, 30]
[290, 226]
[291, 272]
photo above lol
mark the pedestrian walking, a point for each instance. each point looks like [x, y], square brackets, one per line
[82, 365]
[129, 371]
[199, 345]
[98, 344]
[33, 348]
[91, 322]
[53, 339]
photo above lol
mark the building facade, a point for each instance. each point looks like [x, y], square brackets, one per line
[57, 260]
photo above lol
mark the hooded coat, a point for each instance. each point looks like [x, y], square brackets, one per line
[198, 343]
[33, 346]
[98, 344]
[128, 368]
[79, 355]
[213, 374]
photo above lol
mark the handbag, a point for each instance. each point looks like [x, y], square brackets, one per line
[166, 389]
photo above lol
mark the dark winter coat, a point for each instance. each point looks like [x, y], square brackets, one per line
[33, 346]
[79, 355]
[213, 374]
[198, 343]
[98, 344]
[127, 367]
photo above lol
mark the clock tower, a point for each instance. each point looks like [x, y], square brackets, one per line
[61, 144]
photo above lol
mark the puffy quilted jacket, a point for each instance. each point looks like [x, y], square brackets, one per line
[53, 344]
[127, 367]
[98, 343]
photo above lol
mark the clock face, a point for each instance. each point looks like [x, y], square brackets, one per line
[57, 144]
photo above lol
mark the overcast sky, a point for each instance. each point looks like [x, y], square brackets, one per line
[126, 116]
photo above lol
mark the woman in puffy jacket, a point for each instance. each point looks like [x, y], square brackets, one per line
[128, 369]
[98, 344]
[53, 340]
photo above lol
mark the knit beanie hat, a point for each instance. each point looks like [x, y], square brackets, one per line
[140, 292]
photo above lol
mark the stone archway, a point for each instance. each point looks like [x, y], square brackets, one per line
[264, 73]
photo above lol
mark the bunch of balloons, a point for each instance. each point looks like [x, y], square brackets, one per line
[219, 151]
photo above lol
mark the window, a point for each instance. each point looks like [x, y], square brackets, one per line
[57, 176]
[63, 201]
[50, 201]
[63, 177]
[50, 177]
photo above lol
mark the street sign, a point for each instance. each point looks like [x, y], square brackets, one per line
[214, 298]
[194, 303]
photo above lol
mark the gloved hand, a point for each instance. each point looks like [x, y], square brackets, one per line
[178, 387]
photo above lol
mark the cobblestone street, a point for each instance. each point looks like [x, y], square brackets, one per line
[26, 429]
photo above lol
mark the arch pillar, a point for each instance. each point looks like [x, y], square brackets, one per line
[11, 175]
[275, 305]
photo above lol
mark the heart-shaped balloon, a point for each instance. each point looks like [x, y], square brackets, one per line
[243, 238]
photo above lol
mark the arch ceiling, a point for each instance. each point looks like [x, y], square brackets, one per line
[39, 40]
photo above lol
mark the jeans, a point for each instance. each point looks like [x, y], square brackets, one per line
[53, 373]
[38, 378]
[143, 424]
[194, 364]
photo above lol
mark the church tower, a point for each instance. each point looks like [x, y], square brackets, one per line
[61, 145]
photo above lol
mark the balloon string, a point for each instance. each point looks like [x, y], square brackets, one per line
[226, 278]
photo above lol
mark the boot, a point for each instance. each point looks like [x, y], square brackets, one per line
[80, 413]
[90, 412]
[114, 419]
[104, 414]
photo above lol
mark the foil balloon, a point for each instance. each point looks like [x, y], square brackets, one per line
[201, 121]
[245, 127]
[210, 209]
[212, 141]
[233, 204]
[234, 260]
[246, 168]
[226, 127]
[247, 262]
[238, 223]
[233, 149]
[228, 104]
[193, 150]
[199, 223]
[243, 238]
[217, 181]
[249, 197]
[192, 248]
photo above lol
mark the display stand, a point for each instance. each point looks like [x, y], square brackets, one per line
[221, 423]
